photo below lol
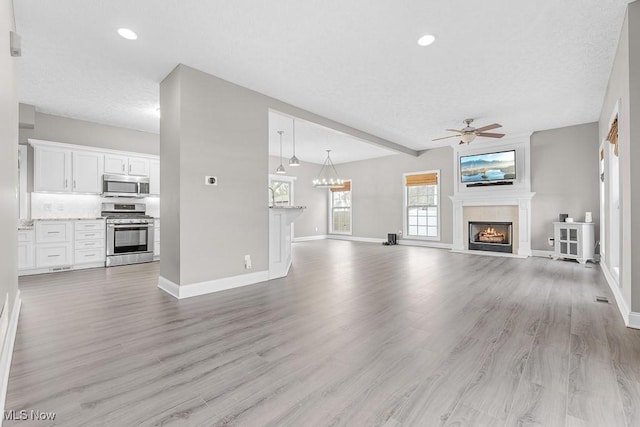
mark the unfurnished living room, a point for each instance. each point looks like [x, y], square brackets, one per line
[319, 213]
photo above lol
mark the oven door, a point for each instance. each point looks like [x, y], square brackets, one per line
[129, 238]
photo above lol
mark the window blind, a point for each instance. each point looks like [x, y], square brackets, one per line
[612, 137]
[421, 179]
[347, 187]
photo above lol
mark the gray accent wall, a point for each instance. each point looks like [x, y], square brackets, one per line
[220, 129]
[8, 161]
[313, 222]
[377, 191]
[564, 176]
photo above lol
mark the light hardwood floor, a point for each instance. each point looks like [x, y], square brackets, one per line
[357, 334]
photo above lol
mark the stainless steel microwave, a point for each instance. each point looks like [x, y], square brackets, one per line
[125, 186]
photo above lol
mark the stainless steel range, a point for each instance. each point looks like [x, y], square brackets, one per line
[129, 233]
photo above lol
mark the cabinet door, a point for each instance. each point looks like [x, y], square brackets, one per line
[52, 169]
[87, 172]
[25, 256]
[138, 166]
[116, 164]
[154, 177]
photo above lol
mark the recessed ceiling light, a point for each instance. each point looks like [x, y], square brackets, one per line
[127, 33]
[426, 40]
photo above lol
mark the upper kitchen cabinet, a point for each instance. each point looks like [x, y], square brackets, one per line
[52, 169]
[126, 165]
[68, 168]
[87, 172]
[116, 164]
[154, 177]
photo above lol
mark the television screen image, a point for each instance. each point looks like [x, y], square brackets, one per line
[488, 167]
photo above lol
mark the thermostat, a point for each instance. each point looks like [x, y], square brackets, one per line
[211, 180]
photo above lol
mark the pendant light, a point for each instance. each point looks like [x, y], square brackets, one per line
[280, 168]
[328, 177]
[293, 161]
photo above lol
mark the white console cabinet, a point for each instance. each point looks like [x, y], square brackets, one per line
[574, 240]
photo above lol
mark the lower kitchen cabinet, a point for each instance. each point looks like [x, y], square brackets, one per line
[89, 243]
[25, 250]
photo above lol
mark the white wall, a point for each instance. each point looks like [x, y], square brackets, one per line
[625, 74]
[8, 160]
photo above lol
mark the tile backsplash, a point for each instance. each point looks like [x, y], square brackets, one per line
[44, 205]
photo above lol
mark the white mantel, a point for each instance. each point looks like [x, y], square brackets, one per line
[519, 194]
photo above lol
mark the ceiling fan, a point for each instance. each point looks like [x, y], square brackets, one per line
[469, 133]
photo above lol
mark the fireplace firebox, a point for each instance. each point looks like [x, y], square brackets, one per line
[490, 236]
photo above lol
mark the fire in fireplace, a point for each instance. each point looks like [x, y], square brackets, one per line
[490, 236]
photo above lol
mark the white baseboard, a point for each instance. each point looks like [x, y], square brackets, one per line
[7, 350]
[542, 254]
[425, 243]
[210, 286]
[309, 238]
[631, 319]
[355, 238]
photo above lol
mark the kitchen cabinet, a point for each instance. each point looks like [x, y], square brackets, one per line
[126, 165]
[154, 177]
[574, 240]
[89, 242]
[52, 169]
[25, 250]
[87, 170]
[53, 244]
[116, 164]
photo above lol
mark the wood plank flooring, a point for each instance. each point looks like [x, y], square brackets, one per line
[357, 334]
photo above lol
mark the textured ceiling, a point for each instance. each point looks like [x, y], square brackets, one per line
[313, 139]
[527, 65]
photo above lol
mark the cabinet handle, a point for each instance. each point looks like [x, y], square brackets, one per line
[90, 255]
[53, 232]
[89, 235]
[66, 183]
[123, 167]
[89, 244]
[129, 168]
[74, 183]
[52, 256]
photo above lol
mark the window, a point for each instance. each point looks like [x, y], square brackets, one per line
[340, 217]
[422, 210]
[281, 192]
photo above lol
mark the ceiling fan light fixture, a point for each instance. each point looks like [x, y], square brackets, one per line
[426, 40]
[468, 137]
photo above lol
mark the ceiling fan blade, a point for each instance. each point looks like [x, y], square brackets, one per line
[455, 130]
[490, 135]
[488, 127]
[445, 137]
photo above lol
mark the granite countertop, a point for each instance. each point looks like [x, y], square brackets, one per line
[28, 224]
[25, 224]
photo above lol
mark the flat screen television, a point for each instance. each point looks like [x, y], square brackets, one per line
[488, 167]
